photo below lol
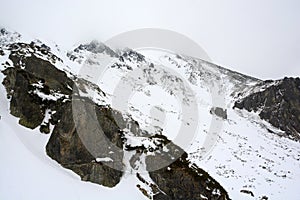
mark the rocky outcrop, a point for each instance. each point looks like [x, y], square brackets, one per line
[96, 47]
[279, 104]
[173, 176]
[220, 112]
[29, 108]
[35, 85]
[92, 47]
[29, 77]
[77, 146]
[179, 181]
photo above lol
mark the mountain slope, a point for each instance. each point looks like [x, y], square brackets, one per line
[248, 158]
[93, 146]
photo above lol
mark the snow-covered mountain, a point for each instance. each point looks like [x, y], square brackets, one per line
[233, 136]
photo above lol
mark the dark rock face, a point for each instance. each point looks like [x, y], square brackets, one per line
[174, 177]
[65, 145]
[181, 179]
[78, 151]
[178, 181]
[220, 112]
[279, 104]
[24, 105]
[19, 83]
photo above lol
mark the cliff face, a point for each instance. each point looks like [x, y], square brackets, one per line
[82, 131]
[279, 104]
[36, 88]
[177, 181]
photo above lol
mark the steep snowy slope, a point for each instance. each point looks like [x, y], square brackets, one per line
[247, 158]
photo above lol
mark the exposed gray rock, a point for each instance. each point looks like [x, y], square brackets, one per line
[181, 180]
[65, 145]
[96, 47]
[220, 112]
[278, 104]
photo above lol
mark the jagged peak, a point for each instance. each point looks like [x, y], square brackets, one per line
[130, 54]
[96, 47]
[7, 36]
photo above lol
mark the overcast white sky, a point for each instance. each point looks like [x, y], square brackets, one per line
[259, 38]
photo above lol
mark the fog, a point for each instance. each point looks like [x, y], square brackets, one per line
[258, 38]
